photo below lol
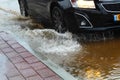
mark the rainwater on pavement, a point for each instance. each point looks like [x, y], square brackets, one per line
[97, 60]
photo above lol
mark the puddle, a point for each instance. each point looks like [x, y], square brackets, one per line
[97, 61]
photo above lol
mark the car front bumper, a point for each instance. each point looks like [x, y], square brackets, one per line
[95, 20]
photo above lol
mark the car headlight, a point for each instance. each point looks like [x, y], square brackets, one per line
[83, 3]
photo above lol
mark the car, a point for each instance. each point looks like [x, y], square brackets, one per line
[74, 15]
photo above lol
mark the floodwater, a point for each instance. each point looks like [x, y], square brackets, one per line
[98, 59]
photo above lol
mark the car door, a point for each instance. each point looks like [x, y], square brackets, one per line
[43, 8]
[38, 8]
[32, 7]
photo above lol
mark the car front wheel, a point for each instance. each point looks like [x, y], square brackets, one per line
[58, 20]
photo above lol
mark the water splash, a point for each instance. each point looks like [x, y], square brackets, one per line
[50, 42]
[42, 40]
[96, 36]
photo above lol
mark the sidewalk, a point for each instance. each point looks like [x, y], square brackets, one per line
[17, 63]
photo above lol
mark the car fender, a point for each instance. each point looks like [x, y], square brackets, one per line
[64, 4]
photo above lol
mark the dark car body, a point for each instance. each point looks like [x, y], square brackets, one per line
[105, 15]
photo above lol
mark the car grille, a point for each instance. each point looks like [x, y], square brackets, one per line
[112, 7]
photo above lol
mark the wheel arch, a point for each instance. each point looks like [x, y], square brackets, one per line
[62, 4]
[67, 10]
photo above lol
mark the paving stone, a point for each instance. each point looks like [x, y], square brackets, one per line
[53, 78]
[12, 54]
[17, 59]
[46, 72]
[12, 42]
[19, 77]
[22, 65]
[20, 50]
[16, 46]
[4, 45]
[12, 72]
[26, 54]
[2, 42]
[6, 36]
[38, 65]
[28, 72]
[9, 65]
[35, 78]
[7, 50]
[31, 59]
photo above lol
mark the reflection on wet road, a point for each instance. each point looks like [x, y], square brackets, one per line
[89, 61]
[97, 61]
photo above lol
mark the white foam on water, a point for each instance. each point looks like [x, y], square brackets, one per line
[50, 42]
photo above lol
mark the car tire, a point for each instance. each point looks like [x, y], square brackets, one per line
[23, 9]
[58, 20]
